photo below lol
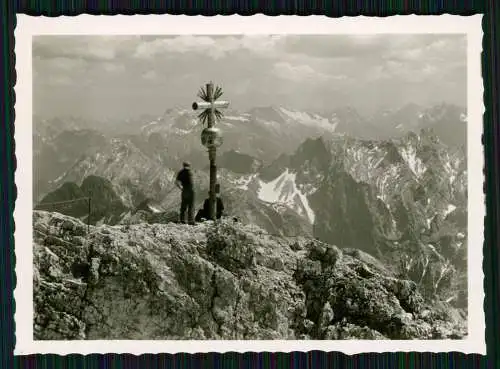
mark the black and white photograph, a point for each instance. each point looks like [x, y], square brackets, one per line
[248, 187]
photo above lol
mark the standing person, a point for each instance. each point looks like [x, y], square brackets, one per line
[184, 181]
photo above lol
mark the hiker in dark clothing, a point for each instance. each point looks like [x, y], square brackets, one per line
[204, 213]
[185, 182]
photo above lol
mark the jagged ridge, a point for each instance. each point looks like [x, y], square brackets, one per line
[229, 281]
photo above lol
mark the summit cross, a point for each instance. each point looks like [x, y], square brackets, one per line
[210, 135]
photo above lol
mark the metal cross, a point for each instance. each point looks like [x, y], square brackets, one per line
[210, 135]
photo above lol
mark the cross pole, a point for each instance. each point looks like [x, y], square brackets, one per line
[88, 218]
[211, 105]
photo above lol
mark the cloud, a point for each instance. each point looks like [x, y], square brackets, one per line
[65, 46]
[145, 73]
[302, 73]
[214, 47]
[375, 48]
[180, 44]
[334, 46]
[448, 48]
[84, 47]
[150, 75]
[60, 81]
[419, 59]
[404, 72]
[113, 67]
[64, 63]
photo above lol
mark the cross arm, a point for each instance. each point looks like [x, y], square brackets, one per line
[207, 105]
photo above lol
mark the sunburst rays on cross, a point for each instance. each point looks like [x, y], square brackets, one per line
[203, 94]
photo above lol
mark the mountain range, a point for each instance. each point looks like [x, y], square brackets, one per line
[393, 186]
[62, 146]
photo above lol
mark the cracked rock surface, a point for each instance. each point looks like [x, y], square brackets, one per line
[230, 281]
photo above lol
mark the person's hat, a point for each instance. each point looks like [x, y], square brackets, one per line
[186, 164]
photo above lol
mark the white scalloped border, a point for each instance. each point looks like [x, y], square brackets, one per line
[28, 26]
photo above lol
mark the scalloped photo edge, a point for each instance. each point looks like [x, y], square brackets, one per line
[28, 26]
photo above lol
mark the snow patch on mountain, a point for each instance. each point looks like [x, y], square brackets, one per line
[409, 155]
[385, 182]
[308, 119]
[433, 249]
[268, 123]
[284, 190]
[450, 209]
[334, 119]
[181, 131]
[58, 179]
[148, 125]
[125, 197]
[240, 118]
[154, 209]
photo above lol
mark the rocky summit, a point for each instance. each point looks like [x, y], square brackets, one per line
[218, 281]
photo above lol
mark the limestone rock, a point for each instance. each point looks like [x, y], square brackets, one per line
[216, 281]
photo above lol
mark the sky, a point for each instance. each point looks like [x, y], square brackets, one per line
[117, 77]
